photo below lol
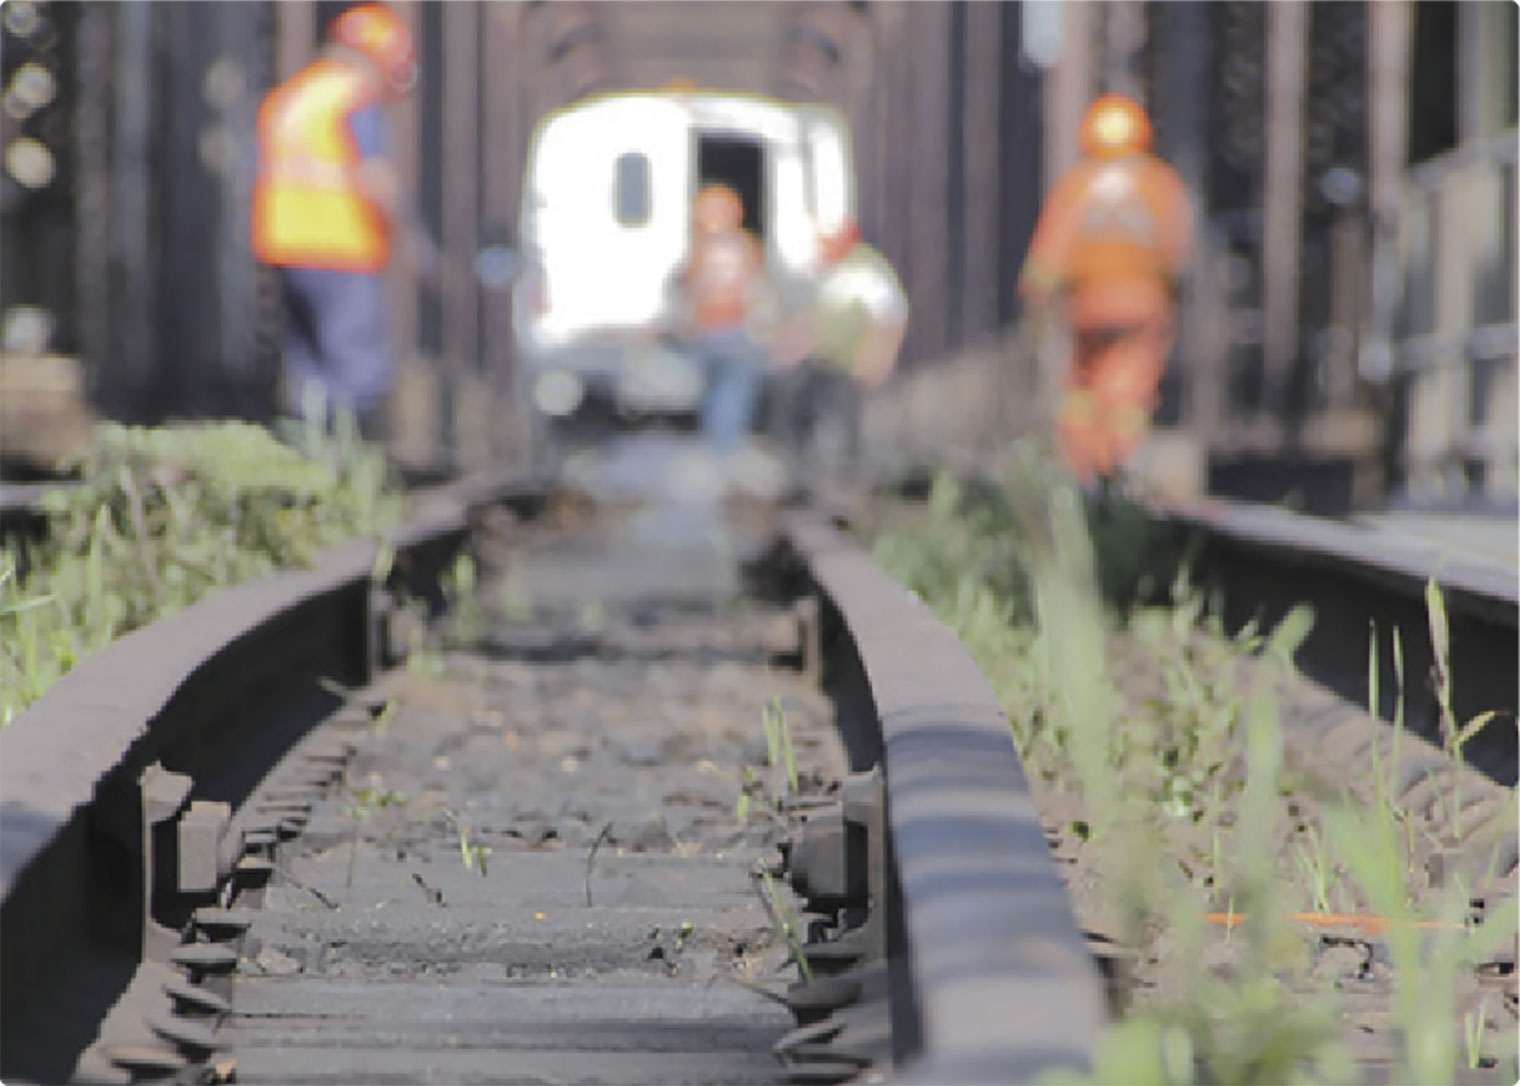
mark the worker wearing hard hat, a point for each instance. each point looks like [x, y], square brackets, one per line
[326, 207]
[1108, 250]
[853, 329]
[727, 309]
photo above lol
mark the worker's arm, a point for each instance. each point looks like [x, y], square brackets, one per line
[797, 333]
[381, 184]
[878, 351]
[887, 307]
[1044, 271]
[1179, 232]
[377, 178]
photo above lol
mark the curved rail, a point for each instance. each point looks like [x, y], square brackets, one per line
[157, 731]
[120, 785]
[972, 943]
[991, 979]
[953, 954]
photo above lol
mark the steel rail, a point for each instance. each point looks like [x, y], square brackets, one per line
[1262, 561]
[989, 978]
[190, 710]
[170, 728]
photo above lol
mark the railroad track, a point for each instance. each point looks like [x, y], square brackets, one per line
[522, 862]
[1361, 582]
[286, 847]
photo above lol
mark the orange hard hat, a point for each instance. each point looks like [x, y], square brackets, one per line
[1115, 126]
[381, 35]
[717, 208]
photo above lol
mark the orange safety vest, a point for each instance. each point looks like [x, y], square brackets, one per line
[1112, 221]
[720, 279]
[1112, 237]
[308, 209]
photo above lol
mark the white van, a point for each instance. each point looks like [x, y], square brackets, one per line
[605, 224]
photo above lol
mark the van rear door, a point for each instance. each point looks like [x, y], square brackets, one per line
[604, 215]
[831, 180]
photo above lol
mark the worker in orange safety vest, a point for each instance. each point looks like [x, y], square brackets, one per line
[1111, 243]
[727, 309]
[326, 206]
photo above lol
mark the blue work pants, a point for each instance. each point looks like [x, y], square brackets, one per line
[336, 342]
[813, 412]
[734, 365]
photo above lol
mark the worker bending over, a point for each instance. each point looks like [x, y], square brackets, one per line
[853, 329]
[1108, 250]
[326, 205]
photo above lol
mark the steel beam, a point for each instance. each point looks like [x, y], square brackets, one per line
[296, 38]
[928, 38]
[1180, 102]
[1287, 41]
[1068, 87]
[983, 130]
[133, 340]
[402, 278]
[502, 143]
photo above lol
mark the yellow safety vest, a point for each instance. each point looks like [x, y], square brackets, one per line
[857, 293]
[308, 209]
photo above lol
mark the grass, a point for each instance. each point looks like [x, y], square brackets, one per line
[163, 517]
[1183, 793]
[472, 854]
[785, 922]
[779, 754]
[769, 792]
[1318, 870]
[1473, 1024]
[363, 803]
[1375, 844]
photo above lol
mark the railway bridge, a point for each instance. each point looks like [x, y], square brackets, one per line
[510, 785]
[1349, 326]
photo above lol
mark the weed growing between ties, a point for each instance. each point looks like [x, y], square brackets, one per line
[161, 518]
[768, 793]
[1163, 766]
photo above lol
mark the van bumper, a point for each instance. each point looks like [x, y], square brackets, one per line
[633, 379]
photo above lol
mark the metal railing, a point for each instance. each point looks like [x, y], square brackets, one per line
[1455, 340]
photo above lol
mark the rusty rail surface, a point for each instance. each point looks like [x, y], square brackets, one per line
[986, 973]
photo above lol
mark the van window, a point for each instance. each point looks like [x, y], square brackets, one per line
[631, 194]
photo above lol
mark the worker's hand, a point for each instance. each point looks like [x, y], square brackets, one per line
[381, 185]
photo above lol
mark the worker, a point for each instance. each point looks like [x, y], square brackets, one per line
[854, 329]
[326, 208]
[727, 309]
[1108, 250]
